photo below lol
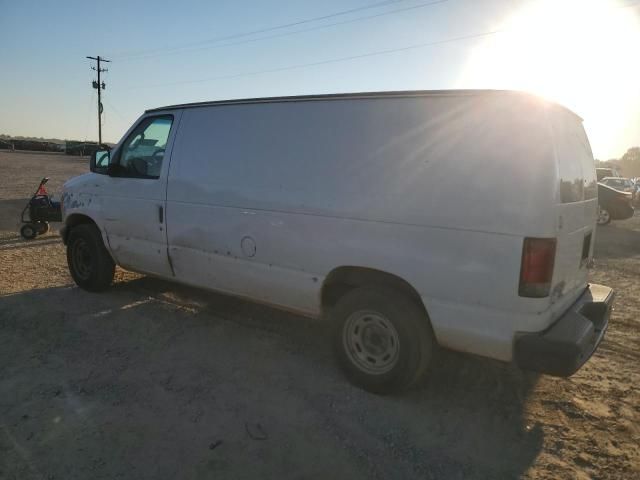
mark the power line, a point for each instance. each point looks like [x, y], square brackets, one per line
[115, 110]
[284, 34]
[197, 46]
[332, 60]
[345, 59]
[262, 30]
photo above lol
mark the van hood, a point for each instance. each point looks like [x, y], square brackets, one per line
[77, 181]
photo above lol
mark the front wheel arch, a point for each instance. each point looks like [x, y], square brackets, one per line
[72, 221]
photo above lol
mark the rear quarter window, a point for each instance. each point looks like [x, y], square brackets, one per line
[575, 160]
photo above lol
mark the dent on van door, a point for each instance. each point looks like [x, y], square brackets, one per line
[234, 250]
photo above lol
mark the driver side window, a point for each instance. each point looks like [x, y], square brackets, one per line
[142, 153]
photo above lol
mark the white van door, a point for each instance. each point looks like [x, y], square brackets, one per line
[134, 197]
[224, 231]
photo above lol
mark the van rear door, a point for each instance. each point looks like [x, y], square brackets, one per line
[576, 207]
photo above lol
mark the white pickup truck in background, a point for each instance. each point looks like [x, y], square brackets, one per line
[464, 219]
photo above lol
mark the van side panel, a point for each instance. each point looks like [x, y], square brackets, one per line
[466, 162]
[264, 201]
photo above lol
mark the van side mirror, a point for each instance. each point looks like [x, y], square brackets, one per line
[99, 162]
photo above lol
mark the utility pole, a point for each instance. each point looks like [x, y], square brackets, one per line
[99, 86]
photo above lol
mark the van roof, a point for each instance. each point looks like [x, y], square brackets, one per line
[339, 96]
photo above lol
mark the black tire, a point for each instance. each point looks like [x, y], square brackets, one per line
[42, 227]
[90, 264]
[403, 356]
[28, 231]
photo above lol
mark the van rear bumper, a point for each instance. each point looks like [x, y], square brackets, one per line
[567, 344]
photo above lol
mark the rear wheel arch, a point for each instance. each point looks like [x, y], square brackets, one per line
[343, 279]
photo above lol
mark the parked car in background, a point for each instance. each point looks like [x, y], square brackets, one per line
[636, 191]
[353, 208]
[603, 172]
[619, 183]
[613, 204]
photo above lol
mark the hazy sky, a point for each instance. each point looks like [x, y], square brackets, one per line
[583, 53]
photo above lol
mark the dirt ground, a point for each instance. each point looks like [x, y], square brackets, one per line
[151, 380]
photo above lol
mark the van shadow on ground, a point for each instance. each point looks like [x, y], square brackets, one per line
[149, 375]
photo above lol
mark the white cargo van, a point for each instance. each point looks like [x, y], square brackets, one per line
[464, 219]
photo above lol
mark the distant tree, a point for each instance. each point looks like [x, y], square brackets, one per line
[630, 162]
[611, 163]
[632, 155]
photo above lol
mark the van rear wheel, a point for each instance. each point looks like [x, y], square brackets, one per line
[382, 339]
[90, 264]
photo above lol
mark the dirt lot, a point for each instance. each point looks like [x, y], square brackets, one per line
[153, 380]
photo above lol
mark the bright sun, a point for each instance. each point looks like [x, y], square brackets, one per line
[581, 53]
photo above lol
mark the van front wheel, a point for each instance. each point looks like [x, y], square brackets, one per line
[90, 264]
[382, 339]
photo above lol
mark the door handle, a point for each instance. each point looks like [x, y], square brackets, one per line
[160, 213]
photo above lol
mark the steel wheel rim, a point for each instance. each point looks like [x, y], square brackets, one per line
[371, 342]
[603, 215]
[81, 258]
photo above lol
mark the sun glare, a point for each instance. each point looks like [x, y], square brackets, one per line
[583, 54]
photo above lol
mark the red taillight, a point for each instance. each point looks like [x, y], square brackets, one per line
[536, 271]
